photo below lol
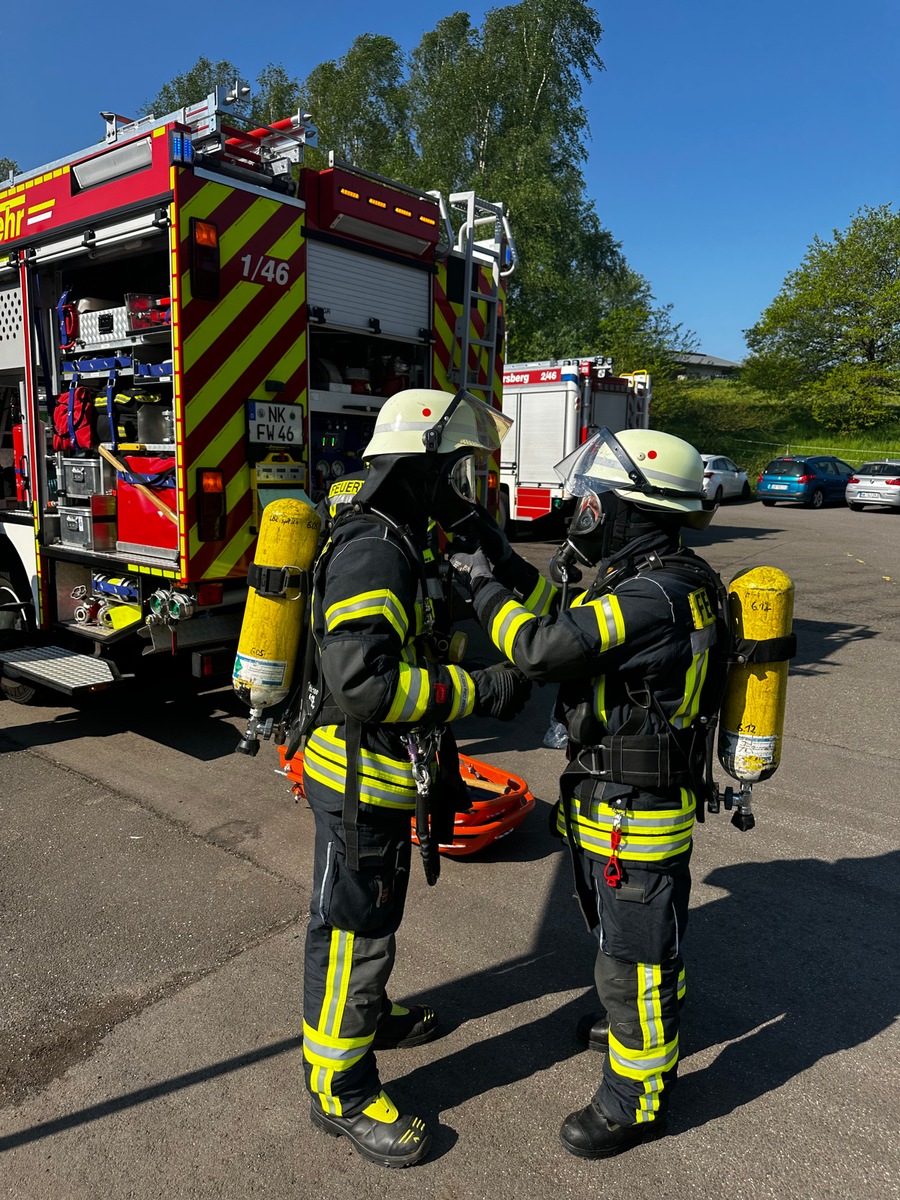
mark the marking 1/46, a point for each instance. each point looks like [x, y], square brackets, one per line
[270, 270]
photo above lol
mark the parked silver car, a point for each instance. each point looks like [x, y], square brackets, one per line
[875, 483]
[722, 480]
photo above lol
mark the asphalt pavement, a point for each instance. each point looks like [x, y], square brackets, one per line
[153, 899]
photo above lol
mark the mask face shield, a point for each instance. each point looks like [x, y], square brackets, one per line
[462, 478]
[598, 466]
[467, 422]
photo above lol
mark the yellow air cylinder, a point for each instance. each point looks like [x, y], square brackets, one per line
[273, 624]
[752, 715]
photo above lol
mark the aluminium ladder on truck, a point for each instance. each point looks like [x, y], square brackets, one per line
[484, 252]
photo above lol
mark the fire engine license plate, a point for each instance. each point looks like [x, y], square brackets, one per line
[274, 424]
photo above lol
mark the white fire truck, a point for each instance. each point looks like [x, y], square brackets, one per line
[193, 324]
[556, 405]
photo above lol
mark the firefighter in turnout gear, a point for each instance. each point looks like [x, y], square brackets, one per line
[638, 655]
[378, 750]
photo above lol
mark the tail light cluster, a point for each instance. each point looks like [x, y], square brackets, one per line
[806, 479]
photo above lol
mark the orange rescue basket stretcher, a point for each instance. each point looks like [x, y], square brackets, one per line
[500, 801]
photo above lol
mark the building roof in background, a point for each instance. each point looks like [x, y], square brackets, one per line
[704, 360]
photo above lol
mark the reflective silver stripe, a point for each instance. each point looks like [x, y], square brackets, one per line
[383, 602]
[662, 1062]
[328, 855]
[397, 426]
[647, 994]
[462, 693]
[639, 823]
[346, 1055]
[703, 639]
[376, 765]
[414, 681]
[369, 791]
[505, 626]
[659, 848]
[541, 598]
[343, 962]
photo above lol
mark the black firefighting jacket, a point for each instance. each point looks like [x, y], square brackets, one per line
[371, 622]
[633, 659]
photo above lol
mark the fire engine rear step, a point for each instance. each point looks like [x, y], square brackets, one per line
[58, 668]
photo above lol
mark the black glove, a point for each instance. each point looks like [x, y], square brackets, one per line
[479, 529]
[501, 691]
[473, 566]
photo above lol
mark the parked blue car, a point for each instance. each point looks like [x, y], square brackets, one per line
[810, 481]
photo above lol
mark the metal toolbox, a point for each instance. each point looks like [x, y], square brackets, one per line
[105, 327]
[90, 526]
[87, 477]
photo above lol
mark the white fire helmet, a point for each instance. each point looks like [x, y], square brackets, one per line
[426, 420]
[649, 468]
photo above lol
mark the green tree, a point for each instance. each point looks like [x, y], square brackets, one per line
[8, 166]
[277, 95]
[832, 334]
[192, 86]
[360, 105]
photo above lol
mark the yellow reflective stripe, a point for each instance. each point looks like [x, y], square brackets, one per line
[600, 698]
[649, 822]
[340, 957]
[333, 1053]
[694, 678]
[379, 766]
[368, 793]
[463, 693]
[380, 603]
[337, 984]
[506, 625]
[649, 1010]
[610, 621]
[642, 1064]
[682, 984]
[413, 695]
[540, 600]
[593, 836]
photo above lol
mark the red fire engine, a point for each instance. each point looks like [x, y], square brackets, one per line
[556, 405]
[191, 325]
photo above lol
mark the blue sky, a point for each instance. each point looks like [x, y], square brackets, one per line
[724, 136]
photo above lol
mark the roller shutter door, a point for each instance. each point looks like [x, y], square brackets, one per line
[353, 288]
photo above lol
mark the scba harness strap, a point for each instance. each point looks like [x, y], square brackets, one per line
[672, 757]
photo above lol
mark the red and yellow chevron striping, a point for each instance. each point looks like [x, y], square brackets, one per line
[238, 349]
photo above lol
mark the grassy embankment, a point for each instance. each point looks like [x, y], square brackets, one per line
[727, 417]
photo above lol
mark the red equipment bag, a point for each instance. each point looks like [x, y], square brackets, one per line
[74, 420]
[141, 521]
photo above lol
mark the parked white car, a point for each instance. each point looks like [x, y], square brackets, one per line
[722, 480]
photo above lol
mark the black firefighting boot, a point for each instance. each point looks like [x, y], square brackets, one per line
[591, 1134]
[592, 1031]
[379, 1133]
[399, 1027]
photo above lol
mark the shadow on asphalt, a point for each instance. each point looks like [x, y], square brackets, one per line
[777, 976]
[819, 641]
[798, 961]
[174, 714]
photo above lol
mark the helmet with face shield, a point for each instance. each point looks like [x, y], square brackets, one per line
[657, 475]
[438, 437]
[651, 469]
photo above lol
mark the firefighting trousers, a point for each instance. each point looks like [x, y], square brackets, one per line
[639, 976]
[350, 947]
